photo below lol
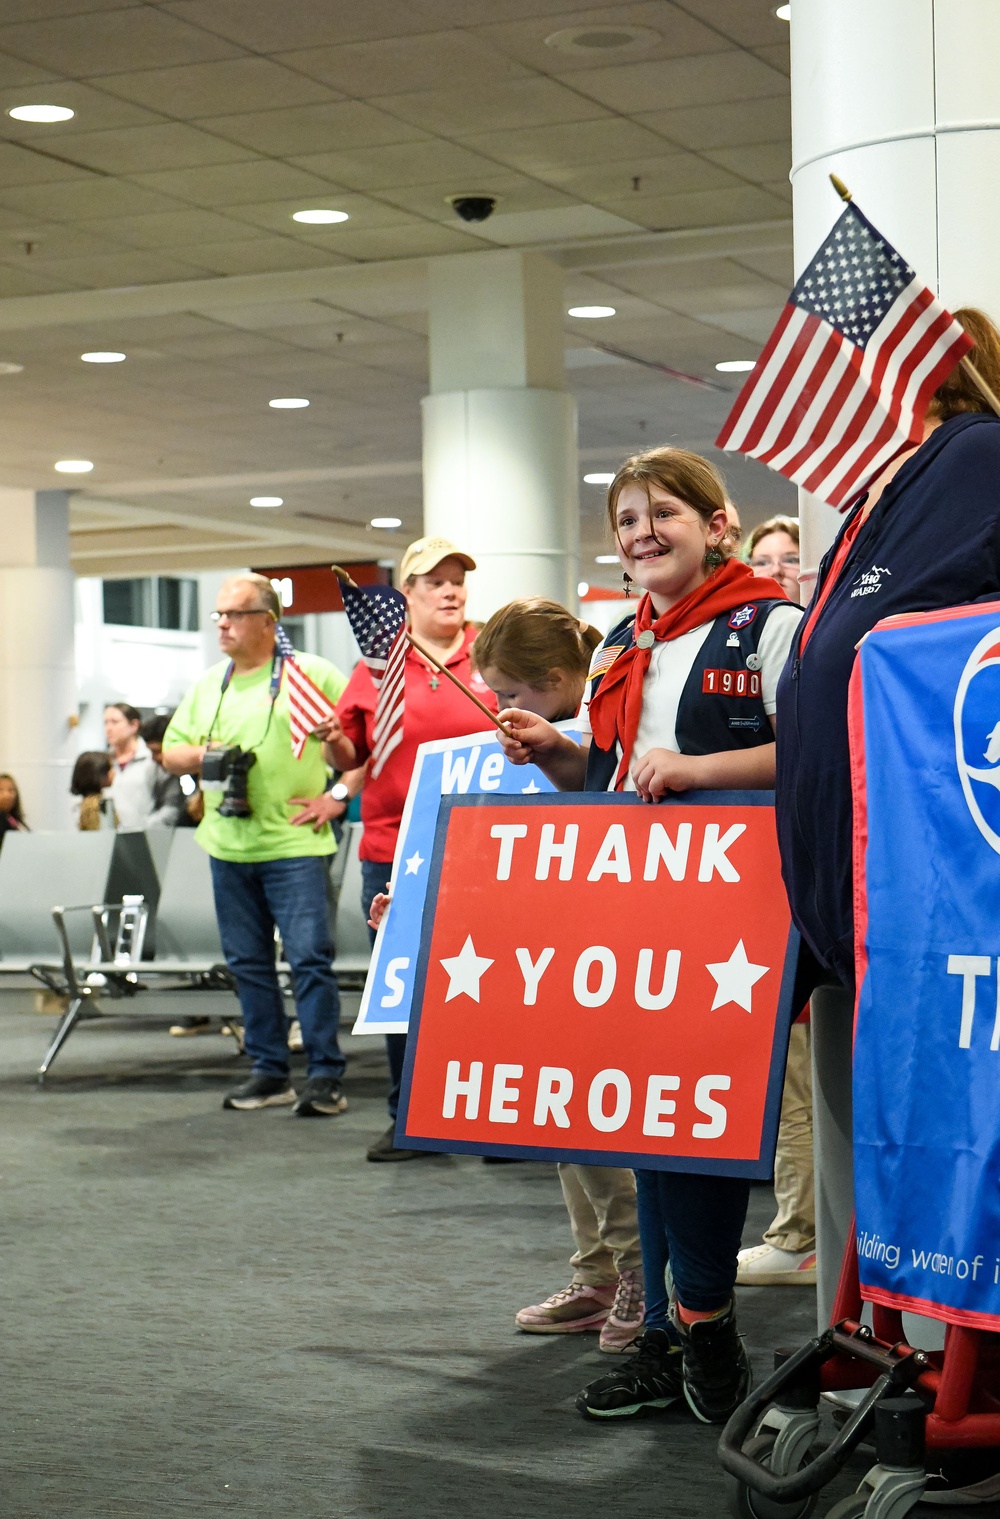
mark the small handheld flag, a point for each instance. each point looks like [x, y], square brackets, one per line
[377, 615]
[308, 706]
[845, 378]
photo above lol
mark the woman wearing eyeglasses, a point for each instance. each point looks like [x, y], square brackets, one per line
[774, 550]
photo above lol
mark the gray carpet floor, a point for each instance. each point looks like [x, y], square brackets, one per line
[208, 1313]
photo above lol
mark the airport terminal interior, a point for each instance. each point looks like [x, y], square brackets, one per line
[294, 284]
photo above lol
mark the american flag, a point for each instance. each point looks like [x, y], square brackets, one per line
[377, 615]
[308, 706]
[845, 378]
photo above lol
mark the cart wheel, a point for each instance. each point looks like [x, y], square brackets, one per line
[744, 1503]
[851, 1507]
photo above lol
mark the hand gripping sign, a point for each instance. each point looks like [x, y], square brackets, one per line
[444, 767]
[925, 750]
[603, 981]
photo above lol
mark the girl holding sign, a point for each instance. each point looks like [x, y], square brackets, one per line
[682, 698]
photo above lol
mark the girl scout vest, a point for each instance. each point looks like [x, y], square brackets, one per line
[721, 705]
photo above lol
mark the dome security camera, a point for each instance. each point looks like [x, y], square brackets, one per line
[473, 208]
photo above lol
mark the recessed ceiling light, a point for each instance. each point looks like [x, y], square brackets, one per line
[784, 13]
[41, 113]
[11, 368]
[582, 588]
[267, 501]
[606, 559]
[103, 358]
[74, 466]
[288, 403]
[602, 39]
[320, 218]
[591, 312]
[600, 479]
[386, 522]
[736, 366]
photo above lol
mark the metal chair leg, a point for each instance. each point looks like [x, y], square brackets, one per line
[71, 1018]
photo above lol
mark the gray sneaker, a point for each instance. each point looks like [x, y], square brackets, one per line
[321, 1097]
[261, 1092]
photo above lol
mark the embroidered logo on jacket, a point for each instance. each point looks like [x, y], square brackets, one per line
[743, 616]
[870, 581]
[604, 658]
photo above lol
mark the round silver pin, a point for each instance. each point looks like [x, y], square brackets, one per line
[646, 639]
[754, 661]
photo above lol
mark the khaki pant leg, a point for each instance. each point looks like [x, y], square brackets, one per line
[601, 1204]
[794, 1225]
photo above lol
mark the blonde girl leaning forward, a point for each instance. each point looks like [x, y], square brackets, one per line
[662, 724]
[534, 655]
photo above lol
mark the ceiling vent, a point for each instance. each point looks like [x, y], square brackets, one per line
[586, 41]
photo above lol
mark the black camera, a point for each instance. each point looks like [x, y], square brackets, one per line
[228, 771]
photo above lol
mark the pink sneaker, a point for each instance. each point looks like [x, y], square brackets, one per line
[624, 1323]
[575, 1308]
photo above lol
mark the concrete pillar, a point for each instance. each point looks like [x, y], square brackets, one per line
[901, 98]
[500, 465]
[38, 703]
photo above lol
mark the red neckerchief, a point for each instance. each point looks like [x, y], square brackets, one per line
[617, 704]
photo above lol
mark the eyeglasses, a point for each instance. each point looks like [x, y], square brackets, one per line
[779, 561]
[237, 615]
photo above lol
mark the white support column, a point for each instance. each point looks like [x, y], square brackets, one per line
[500, 460]
[37, 674]
[901, 99]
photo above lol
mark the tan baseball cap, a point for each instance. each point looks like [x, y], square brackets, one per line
[422, 556]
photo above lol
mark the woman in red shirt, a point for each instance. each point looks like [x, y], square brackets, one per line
[432, 576]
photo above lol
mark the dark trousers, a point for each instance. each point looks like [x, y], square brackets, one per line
[692, 1225]
[250, 900]
[375, 878]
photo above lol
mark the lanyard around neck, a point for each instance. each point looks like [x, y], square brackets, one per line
[277, 665]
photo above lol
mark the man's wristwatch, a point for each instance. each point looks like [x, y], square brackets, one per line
[340, 793]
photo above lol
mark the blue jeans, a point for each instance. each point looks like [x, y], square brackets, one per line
[695, 1224]
[375, 878]
[250, 900]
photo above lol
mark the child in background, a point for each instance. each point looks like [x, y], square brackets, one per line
[92, 775]
[11, 813]
[534, 655]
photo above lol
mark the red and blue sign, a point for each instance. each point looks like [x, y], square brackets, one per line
[603, 981]
[925, 736]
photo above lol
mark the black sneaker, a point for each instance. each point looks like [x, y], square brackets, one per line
[321, 1097]
[716, 1370]
[185, 1028]
[384, 1148]
[261, 1092]
[651, 1378]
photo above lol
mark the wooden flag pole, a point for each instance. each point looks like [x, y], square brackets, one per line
[966, 363]
[345, 578]
[426, 654]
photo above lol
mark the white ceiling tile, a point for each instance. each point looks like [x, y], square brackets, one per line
[139, 150]
[313, 129]
[263, 255]
[276, 216]
[638, 179]
[473, 13]
[638, 87]
[777, 56]
[95, 112]
[14, 72]
[112, 42]
[562, 223]
[39, 10]
[24, 281]
[755, 325]
[781, 188]
[110, 270]
[680, 34]
[749, 25]
[459, 110]
[771, 266]
[233, 184]
[759, 162]
[398, 164]
[540, 150]
[264, 26]
[724, 124]
[217, 89]
[92, 197]
[51, 240]
[170, 229]
[19, 166]
[698, 208]
[513, 192]
[417, 240]
[406, 63]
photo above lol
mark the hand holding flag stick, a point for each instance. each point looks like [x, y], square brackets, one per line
[346, 580]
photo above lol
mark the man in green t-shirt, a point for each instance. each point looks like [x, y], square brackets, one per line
[268, 867]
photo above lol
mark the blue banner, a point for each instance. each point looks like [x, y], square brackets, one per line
[925, 728]
[446, 767]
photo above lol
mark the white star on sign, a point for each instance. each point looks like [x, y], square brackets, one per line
[413, 864]
[735, 979]
[530, 789]
[464, 971]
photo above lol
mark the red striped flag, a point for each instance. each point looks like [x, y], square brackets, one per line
[308, 706]
[845, 378]
[377, 615]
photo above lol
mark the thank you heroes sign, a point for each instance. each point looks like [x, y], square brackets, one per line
[603, 981]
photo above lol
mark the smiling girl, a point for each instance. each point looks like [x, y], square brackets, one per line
[681, 697]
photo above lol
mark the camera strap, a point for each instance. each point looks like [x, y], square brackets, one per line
[277, 668]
